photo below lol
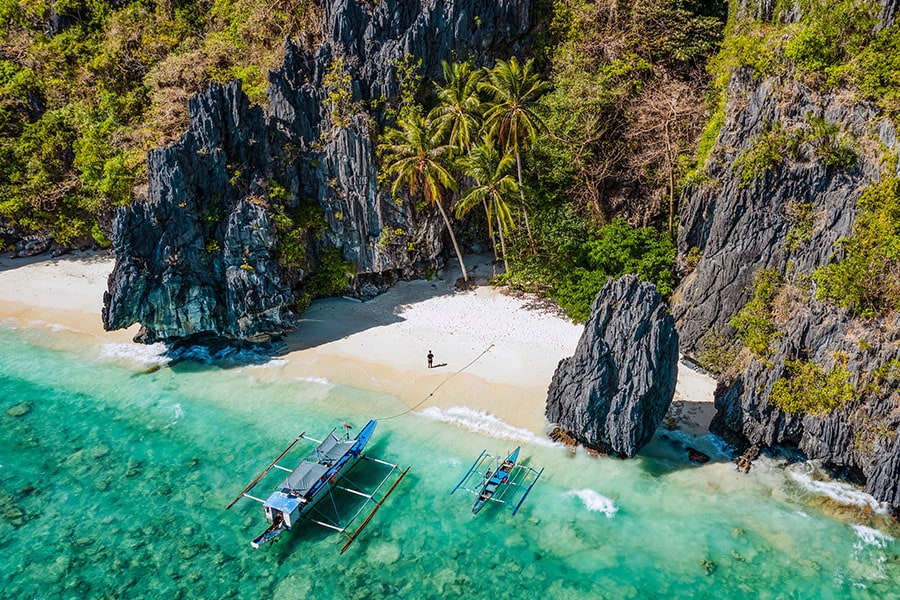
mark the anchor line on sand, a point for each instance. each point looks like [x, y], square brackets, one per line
[446, 379]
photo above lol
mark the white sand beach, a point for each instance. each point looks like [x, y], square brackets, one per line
[493, 353]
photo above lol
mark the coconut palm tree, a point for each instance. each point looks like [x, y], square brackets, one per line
[415, 156]
[491, 172]
[510, 117]
[459, 108]
[458, 113]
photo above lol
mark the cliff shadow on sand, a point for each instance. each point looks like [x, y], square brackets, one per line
[332, 319]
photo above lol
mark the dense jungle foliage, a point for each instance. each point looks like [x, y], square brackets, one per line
[88, 86]
[630, 102]
[600, 149]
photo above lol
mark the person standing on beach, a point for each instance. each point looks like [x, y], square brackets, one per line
[430, 359]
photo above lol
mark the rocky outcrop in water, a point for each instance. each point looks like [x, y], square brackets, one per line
[199, 256]
[787, 219]
[614, 392]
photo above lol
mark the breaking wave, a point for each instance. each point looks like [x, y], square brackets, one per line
[317, 380]
[840, 492]
[478, 421]
[595, 502]
[132, 355]
[871, 537]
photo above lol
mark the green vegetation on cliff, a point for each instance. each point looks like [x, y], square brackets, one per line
[88, 86]
[591, 191]
[866, 276]
[620, 127]
[807, 388]
[755, 323]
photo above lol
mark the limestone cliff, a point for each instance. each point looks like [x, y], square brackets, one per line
[197, 259]
[615, 390]
[243, 188]
[785, 216]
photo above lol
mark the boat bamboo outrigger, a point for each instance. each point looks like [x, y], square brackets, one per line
[495, 480]
[322, 473]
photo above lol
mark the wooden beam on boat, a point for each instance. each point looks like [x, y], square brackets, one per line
[379, 461]
[466, 476]
[372, 514]
[352, 491]
[263, 474]
[516, 509]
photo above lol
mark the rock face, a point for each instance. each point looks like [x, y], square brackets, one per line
[616, 389]
[199, 256]
[197, 259]
[739, 227]
[322, 148]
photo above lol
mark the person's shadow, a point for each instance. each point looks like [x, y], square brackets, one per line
[438, 365]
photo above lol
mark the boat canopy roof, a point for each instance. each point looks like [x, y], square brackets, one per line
[303, 477]
[332, 449]
[316, 464]
[283, 502]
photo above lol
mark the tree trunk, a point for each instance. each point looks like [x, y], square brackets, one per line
[453, 239]
[670, 160]
[522, 194]
[502, 244]
[487, 213]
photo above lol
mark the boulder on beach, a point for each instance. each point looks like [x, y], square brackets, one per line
[615, 391]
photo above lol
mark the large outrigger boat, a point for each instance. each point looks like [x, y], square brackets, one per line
[505, 482]
[320, 474]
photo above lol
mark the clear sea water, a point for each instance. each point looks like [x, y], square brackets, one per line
[113, 484]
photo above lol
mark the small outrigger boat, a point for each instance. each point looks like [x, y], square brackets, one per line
[316, 476]
[494, 480]
[509, 479]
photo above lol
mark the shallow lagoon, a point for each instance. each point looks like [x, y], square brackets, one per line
[114, 482]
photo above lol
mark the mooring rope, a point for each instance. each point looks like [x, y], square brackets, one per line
[446, 379]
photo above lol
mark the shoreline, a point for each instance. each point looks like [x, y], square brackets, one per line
[493, 353]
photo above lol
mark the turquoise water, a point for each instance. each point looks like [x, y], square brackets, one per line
[114, 482]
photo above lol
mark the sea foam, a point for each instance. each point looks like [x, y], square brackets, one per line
[135, 354]
[872, 537]
[481, 422]
[318, 380]
[177, 413]
[840, 492]
[595, 502]
[47, 324]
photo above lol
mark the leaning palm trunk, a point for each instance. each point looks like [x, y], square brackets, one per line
[502, 244]
[453, 239]
[487, 213]
[522, 194]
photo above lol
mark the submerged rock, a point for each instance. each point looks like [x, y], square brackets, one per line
[19, 410]
[696, 456]
[616, 389]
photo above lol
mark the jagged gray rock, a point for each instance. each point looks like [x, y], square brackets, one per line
[197, 259]
[335, 157]
[189, 263]
[741, 227]
[616, 389]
